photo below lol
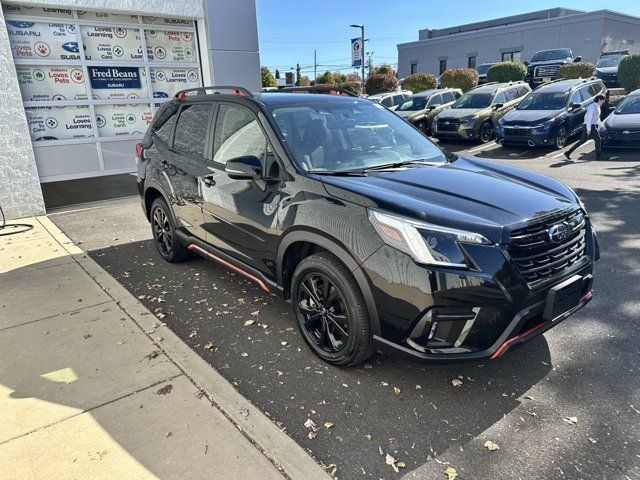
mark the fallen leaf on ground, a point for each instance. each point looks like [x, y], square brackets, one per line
[451, 473]
[491, 446]
[418, 387]
[456, 382]
[152, 355]
[571, 420]
[401, 464]
[328, 425]
[392, 462]
[244, 354]
[312, 435]
[310, 424]
[244, 412]
[593, 440]
[208, 346]
[256, 313]
[165, 390]
[396, 390]
[249, 322]
[192, 334]
[167, 434]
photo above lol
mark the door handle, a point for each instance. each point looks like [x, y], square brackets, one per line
[208, 181]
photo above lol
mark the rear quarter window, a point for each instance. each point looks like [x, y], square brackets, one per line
[164, 123]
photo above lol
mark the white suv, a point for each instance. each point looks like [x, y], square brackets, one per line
[391, 100]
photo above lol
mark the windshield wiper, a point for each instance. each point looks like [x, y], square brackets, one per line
[388, 166]
[340, 173]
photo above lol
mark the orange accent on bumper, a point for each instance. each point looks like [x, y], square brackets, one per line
[516, 338]
[229, 265]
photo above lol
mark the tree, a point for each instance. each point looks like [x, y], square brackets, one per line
[298, 75]
[462, 78]
[577, 70]
[277, 73]
[267, 78]
[304, 81]
[419, 82]
[379, 83]
[339, 77]
[384, 69]
[629, 72]
[326, 77]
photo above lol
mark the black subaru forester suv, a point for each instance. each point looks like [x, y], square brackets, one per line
[379, 238]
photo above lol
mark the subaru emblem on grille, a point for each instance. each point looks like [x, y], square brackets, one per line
[626, 132]
[447, 123]
[559, 233]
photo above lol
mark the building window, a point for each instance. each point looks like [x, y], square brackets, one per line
[512, 56]
[471, 62]
[443, 66]
[414, 68]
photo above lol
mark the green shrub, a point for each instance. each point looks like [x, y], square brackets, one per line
[353, 87]
[379, 83]
[577, 70]
[507, 72]
[384, 69]
[419, 82]
[629, 72]
[462, 78]
[326, 77]
[267, 78]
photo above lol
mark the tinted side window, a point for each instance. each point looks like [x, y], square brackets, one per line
[191, 130]
[398, 99]
[447, 97]
[576, 97]
[500, 98]
[595, 89]
[387, 102]
[435, 100]
[522, 91]
[237, 133]
[512, 94]
[585, 93]
[163, 126]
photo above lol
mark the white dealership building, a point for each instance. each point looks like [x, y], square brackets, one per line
[81, 80]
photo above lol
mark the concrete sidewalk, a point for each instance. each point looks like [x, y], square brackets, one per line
[92, 385]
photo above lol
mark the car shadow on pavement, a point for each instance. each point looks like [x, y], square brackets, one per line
[387, 404]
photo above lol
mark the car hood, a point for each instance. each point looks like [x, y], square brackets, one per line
[529, 117]
[551, 62]
[409, 113]
[607, 70]
[458, 113]
[629, 121]
[469, 194]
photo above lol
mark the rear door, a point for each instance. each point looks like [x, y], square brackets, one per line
[186, 165]
[241, 215]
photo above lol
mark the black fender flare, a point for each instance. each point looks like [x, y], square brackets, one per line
[344, 256]
[149, 184]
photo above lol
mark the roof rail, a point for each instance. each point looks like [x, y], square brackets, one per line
[232, 89]
[326, 89]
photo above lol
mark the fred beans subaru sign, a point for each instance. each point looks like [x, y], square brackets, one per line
[42, 41]
[111, 43]
[114, 77]
[47, 83]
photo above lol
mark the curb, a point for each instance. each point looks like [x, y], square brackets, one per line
[291, 459]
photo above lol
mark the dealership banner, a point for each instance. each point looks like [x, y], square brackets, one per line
[110, 17]
[118, 82]
[179, 22]
[356, 52]
[59, 123]
[36, 11]
[43, 41]
[111, 43]
[117, 120]
[166, 82]
[43, 83]
[170, 46]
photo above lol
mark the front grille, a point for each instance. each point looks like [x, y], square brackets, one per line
[448, 125]
[538, 258]
[517, 132]
[547, 71]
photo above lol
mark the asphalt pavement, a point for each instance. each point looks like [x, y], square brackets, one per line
[564, 406]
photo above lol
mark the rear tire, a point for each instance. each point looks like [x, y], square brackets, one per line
[330, 310]
[163, 229]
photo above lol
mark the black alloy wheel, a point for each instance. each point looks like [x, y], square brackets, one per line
[486, 132]
[330, 310]
[561, 137]
[163, 229]
[422, 126]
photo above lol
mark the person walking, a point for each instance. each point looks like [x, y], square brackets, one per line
[591, 127]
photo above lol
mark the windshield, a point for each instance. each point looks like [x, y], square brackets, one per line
[629, 105]
[609, 61]
[558, 54]
[474, 100]
[543, 101]
[483, 69]
[414, 103]
[330, 136]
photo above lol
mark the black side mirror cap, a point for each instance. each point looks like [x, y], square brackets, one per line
[247, 167]
[498, 105]
[526, 64]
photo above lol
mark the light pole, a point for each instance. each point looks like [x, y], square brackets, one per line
[361, 27]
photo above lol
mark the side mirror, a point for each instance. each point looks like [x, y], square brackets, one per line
[431, 107]
[244, 168]
[573, 106]
[496, 106]
[578, 59]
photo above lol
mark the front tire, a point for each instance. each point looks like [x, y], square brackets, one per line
[422, 126]
[560, 140]
[330, 310]
[486, 132]
[163, 230]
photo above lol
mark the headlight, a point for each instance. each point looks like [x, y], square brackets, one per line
[468, 119]
[425, 243]
[544, 126]
[584, 209]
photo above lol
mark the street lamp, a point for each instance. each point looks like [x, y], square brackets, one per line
[361, 27]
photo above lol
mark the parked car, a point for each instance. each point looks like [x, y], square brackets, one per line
[549, 115]
[421, 108]
[482, 70]
[377, 237]
[607, 67]
[544, 65]
[475, 115]
[622, 127]
[391, 100]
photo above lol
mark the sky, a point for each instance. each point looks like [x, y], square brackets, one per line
[290, 30]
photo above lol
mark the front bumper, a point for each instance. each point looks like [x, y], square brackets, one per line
[465, 131]
[621, 139]
[525, 136]
[446, 315]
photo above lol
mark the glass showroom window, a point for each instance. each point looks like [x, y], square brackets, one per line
[97, 76]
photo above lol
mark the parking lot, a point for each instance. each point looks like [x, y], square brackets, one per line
[566, 405]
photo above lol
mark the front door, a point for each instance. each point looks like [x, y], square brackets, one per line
[186, 165]
[241, 215]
